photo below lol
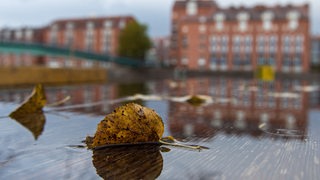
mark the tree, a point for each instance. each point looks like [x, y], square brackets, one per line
[133, 41]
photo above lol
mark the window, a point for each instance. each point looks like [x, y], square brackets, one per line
[260, 43]
[202, 28]
[107, 40]
[213, 62]
[184, 61]
[18, 34]
[286, 44]
[223, 62]
[192, 8]
[299, 43]
[122, 24]
[89, 36]
[214, 43]
[53, 34]
[273, 43]
[267, 20]
[185, 29]
[28, 34]
[261, 60]
[248, 44]
[7, 34]
[108, 24]
[219, 18]
[236, 43]
[201, 63]
[243, 21]
[69, 34]
[293, 17]
[184, 41]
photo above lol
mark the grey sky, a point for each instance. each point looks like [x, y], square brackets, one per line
[154, 13]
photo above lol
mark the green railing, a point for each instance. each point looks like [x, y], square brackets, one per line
[43, 49]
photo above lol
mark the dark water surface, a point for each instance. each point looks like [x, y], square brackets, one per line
[253, 129]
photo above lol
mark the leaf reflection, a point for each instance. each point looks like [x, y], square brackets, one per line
[33, 122]
[136, 162]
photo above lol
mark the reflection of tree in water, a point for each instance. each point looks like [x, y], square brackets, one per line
[134, 162]
[125, 90]
[33, 122]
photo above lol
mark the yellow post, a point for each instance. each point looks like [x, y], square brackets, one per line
[265, 73]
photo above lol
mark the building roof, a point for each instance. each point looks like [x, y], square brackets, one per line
[200, 3]
[97, 21]
[255, 13]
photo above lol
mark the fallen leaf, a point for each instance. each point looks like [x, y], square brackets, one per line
[131, 123]
[136, 162]
[29, 114]
[196, 100]
[32, 105]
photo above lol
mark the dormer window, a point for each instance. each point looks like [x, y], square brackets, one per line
[90, 25]
[243, 18]
[108, 24]
[69, 33]
[69, 26]
[28, 34]
[54, 34]
[122, 24]
[18, 34]
[219, 18]
[192, 8]
[293, 17]
[7, 34]
[267, 18]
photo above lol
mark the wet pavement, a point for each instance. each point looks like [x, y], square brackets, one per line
[253, 129]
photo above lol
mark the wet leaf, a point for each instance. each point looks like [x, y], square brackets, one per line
[196, 100]
[136, 162]
[130, 123]
[29, 114]
[32, 105]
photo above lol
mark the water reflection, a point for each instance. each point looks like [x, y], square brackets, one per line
[134, 162]
[33, 122]
[239, 106]
[254, 112]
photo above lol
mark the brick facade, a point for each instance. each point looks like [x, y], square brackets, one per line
[98, 35]
[205, 36]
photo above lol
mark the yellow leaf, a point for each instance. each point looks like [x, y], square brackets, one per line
[136, 162]
[30, 114]
[33, 104]
[196, 100]
[130, 123]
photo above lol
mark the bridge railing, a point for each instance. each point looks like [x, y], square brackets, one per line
[46, 49]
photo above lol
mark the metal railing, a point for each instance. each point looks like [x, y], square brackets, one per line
[45, 49]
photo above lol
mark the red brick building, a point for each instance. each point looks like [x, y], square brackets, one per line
[98, 35]
[205, 36]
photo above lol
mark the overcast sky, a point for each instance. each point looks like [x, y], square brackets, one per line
[154, 13]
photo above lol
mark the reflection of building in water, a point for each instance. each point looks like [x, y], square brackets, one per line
[205, 36]
[242, 106]
[99, 35]
[88, 94]
[315, 51]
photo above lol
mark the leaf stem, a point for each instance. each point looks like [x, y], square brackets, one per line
[196, 147]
